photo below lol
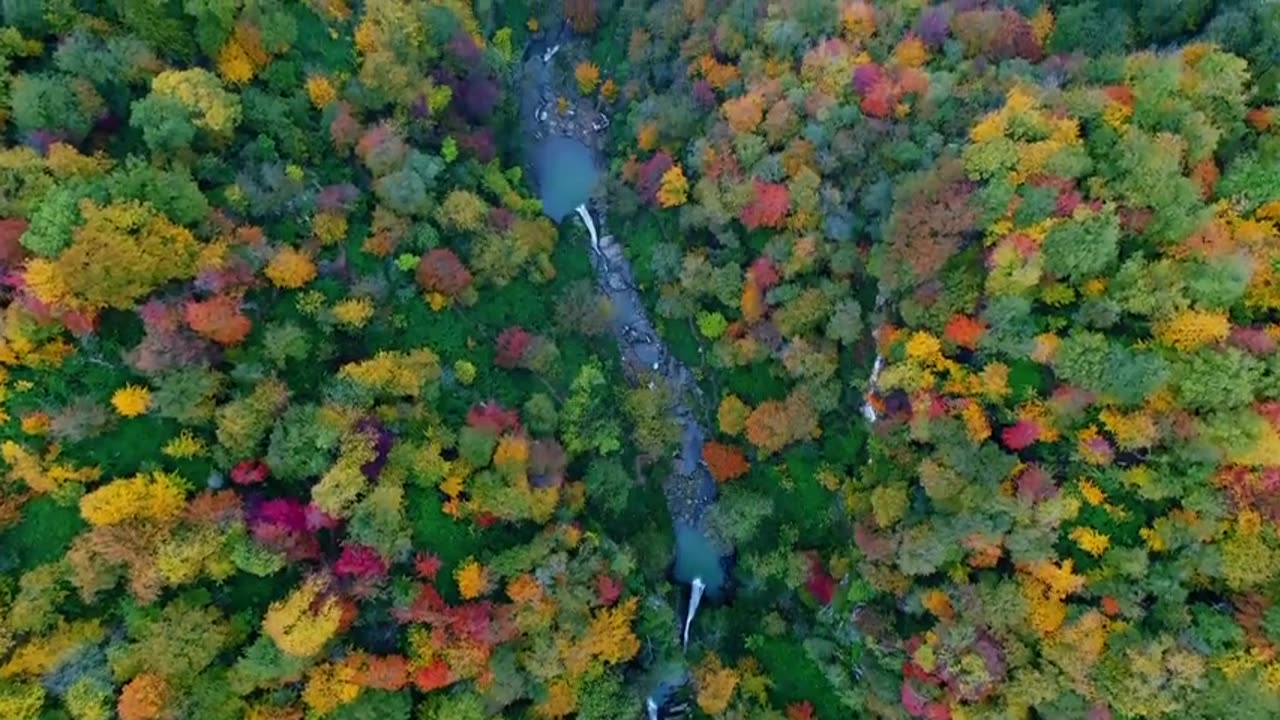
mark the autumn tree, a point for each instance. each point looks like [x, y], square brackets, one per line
[304, 621]
[583, 15]
[725, 462]
[121, 252]
[587, 75]
[219, 318]
[768, 207]
[441, 271]
[212, 107]
[715, 684]
[674, 190]
[146, 697]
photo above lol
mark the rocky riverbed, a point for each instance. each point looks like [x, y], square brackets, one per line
[690, 490]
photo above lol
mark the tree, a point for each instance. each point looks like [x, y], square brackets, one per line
[582, 15]
[608, 485]
[290, 269]
[212, 108]
[584, 310]
[651, 413]
[674, 190]
[650, 175]
[588, 421]
[725, 462]
[744, 113]
[964, 331]
[1079, 249]
[376, 705]
[473, 580]
[715, 684]
[303, 622]
[156, 496]
[773, 424]
[463, 210]
[587, 75]
[122, 252]
[768, 207]
[219, 318]
[513, 345]
[54, 103]
[166, 123]
[732, 415]
[146, 697]
[767, 426]
[177, 644]
[53, 222]
[441, 271]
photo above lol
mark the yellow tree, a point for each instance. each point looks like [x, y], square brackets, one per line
[157, 496]
[200, 91]
[609, 636]
[674, 190]
[715, 684]
[473, 580]
[303, 622]
[588, 76]
[122, 252]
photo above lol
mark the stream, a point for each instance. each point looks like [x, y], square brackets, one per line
[565, 150]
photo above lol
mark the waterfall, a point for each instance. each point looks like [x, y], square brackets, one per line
[652, 708]
[869, 412]
[695, 596]
[591, 227]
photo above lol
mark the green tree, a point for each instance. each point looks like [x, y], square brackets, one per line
[608, 486]
[50, 101]
[1080, 249]
[539, 414]
[166, 124]
[588, 421]
[301, 446]
[177, 642]
[651, 412]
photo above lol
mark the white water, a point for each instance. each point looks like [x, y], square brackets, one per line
[869, 412]
[695, 597]
[591, 227]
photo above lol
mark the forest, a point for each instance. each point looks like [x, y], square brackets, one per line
[902, 359]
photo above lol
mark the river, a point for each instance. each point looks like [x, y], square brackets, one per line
[565, 148]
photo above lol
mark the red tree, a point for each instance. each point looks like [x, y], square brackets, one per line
[11, 251]
[249, 472]
[965, 331]
[513, 343]
[582, 15]
[725, 462]
[764, 273]
[1020, 435]
[432, 677]
[426, 565]
[768, 207]
[607, 589]
[441, 271]
[492, 416]
[360, 561]
[650, 176]
[218, 318]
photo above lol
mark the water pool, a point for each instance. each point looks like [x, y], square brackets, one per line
[566, 174]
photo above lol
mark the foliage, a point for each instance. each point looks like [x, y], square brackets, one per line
[306, 411]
